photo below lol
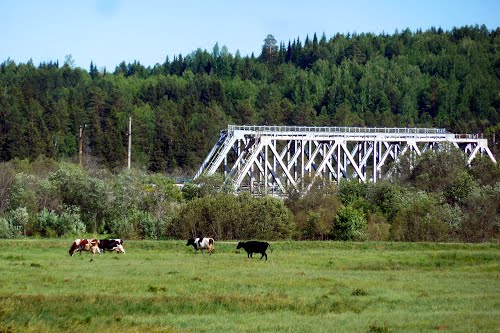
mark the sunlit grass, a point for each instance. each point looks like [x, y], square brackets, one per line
[304, 286]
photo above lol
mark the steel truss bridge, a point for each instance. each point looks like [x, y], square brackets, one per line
[269, 159]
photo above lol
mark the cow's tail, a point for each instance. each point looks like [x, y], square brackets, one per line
[270, 248]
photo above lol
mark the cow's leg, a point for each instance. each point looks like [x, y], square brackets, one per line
[264, 254]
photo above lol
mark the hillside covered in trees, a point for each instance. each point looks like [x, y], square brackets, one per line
[434, 78]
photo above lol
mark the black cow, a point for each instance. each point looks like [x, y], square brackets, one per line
[111, 245]
[252, 247]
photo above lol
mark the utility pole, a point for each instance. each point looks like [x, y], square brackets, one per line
[129, 141]
[80, 152]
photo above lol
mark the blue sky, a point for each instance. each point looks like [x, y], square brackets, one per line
[110, 31]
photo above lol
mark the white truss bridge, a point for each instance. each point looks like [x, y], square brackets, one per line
[269, 159]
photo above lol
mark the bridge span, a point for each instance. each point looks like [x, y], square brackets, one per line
[269, 159]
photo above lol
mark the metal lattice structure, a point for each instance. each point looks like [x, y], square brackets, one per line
[268, 159]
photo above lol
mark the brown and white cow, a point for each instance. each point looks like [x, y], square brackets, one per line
[80, 245]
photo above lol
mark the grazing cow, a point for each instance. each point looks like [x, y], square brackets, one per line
[112, 245]
[252, 247]
[80, 245]
[201, 244]
[95, 248]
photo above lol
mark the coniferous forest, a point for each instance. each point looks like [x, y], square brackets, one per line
[434, 78]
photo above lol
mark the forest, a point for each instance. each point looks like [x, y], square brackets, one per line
[433, 78]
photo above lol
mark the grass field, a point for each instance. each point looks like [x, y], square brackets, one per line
[161, 286]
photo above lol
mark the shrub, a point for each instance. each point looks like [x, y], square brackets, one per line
[481, 219]
[225, 216]
[18, 220]
[377, 228]
[7, 179]
[313, 212]
[6, 230]
[46, 223]
[384, 196]
[351, 190]
[23, 192]
[89, 194]
[348, 224]
[70, 222]
[421, 218]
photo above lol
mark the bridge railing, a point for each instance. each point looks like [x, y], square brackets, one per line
[337, 129]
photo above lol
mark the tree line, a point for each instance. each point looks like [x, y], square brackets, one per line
[440, 199]
[433, 78]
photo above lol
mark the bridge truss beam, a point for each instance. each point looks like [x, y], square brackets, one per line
[269, 159]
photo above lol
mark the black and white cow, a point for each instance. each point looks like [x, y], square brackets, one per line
[201, 244]
[112, 245]
[252, 247]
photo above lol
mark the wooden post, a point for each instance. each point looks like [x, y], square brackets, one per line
[80, 152]
[494, 145]
[129, 141]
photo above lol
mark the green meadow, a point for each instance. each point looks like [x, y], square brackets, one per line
[161, 286]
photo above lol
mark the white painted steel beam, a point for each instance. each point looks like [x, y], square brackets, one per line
[268, 159]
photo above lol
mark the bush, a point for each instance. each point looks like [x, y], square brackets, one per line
[76, 188]
[18, 220]
[348, 224]
[421, 218]
[23, 192]
[148, 226]
[225, 216]
[7, 179]
[377, 228]
[481, 219]
[313, 212]
[70, 222]
[351, 190]
[6, 230]
[50, 223]
[46, 223]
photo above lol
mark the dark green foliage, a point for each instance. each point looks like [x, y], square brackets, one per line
[481, 221]
[350, 191]
[435, 172]
[420, 218]
[485, 171]
[225, 216]
[434, 78]
[348, 224]
[313, 212]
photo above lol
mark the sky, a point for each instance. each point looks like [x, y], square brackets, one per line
[108, 32]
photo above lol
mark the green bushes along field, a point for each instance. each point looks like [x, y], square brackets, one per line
[437, 200]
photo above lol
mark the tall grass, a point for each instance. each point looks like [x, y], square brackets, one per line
[304, 286]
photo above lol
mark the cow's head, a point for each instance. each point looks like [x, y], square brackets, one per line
[74, 246]
[190, 242]
[118, 241]
[240, 244]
